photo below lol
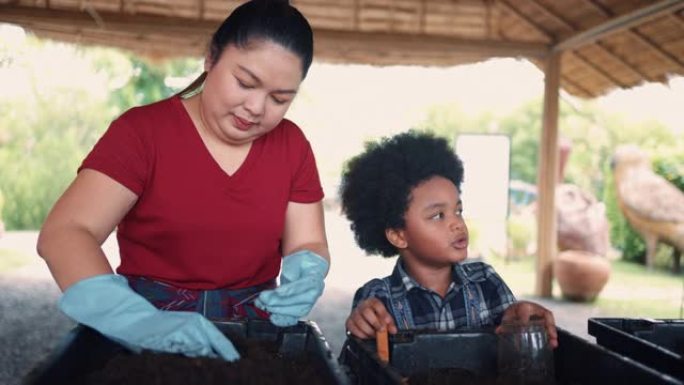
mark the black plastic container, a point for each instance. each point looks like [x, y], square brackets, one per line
[577, 361]
[658, 343]
[84, 350]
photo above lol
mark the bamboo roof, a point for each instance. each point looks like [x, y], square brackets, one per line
[606, 44]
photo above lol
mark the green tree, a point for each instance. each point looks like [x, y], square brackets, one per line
[49, 127]
[148, 81]
[448, 121]
[524, 128]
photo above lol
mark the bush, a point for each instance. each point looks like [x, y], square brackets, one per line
[521, 233]
[2, 225]
[671, 166]
[622, 236]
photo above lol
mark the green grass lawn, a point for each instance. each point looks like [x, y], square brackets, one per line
[12, 259]
[631, 291]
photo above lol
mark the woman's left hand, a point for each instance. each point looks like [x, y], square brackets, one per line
[525, 310]
[301, 284]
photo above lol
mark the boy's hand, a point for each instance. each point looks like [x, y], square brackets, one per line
[368, 317]
[524, 310]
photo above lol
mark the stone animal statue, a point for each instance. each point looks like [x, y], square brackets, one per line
[580, 267]
[652, 205]
[582, 221]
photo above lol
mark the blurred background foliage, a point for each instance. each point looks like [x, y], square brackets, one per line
[46, 132]
[594, 135]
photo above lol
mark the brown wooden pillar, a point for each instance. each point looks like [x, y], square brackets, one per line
[547, 178]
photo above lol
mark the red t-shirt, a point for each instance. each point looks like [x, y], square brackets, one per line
[194, 226]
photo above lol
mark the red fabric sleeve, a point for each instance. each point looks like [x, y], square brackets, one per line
[306, 184]
[120, 154]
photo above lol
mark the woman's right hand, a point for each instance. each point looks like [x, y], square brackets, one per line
[107, 304]
[369, 317]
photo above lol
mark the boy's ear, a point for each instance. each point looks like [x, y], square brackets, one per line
[396, 238]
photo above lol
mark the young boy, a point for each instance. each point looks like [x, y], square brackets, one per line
[402, 196]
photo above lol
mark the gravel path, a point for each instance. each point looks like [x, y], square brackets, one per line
[30, 324]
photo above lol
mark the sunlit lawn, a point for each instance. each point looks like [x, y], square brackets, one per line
[631, 291]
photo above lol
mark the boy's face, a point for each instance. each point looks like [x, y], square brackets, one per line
[435, 233]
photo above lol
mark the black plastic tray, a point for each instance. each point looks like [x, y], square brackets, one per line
[577, 361]
[84, 350]
[658, 343]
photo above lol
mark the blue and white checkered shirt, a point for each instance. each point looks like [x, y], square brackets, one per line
[476, 297]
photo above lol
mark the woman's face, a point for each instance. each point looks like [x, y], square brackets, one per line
[248, 90]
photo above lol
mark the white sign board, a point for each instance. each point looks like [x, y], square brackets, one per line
[486, 160]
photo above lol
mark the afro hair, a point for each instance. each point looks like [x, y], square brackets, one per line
[376, 184]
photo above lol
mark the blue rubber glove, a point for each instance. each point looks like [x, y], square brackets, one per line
[107, 304]
[301, 283]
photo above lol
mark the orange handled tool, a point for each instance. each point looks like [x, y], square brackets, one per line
[382, 344]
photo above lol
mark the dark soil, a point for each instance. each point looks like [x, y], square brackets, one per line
[260, 364]
[449, 376]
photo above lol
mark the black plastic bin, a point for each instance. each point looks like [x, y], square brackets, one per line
[84, 350]
[658, 343]
[577, 361]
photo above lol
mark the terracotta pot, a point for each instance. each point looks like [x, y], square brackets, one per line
[581, 275]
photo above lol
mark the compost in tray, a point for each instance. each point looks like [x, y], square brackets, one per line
[449, 376]
[261, 363]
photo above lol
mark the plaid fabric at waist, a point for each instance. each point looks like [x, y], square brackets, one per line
[213, 304]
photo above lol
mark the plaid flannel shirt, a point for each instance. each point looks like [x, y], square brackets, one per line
[476, 297]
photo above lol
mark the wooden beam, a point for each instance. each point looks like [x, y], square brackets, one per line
[620, 23]
[569, 27]
[488, 19]
[412, 45]
[148, 47]
[606, 75]
[553, 15]
[392, 16]
[643, 39]
[548, 178]
[95, 15]
[200, 9]
[74, 20]
[578, 88]
[572, 28]
[527, 20]
[371, 43]
[677, 18]
[666, 56]
[422, 12]
[547, 167]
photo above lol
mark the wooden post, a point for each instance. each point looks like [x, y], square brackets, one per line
[547, 178]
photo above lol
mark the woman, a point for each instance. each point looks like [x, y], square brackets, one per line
[210, 189]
